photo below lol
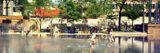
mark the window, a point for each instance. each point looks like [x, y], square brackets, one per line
[116, 6]
[17, 9]
[153, 6]
[6, 21]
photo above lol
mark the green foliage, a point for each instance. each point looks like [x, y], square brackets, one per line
[97, 9]
[85, 9]
[42, 3]
[72, 11]
[119, 2]
[110, 17]
[159, 3]
[28, 8]
[130, 31]
[147, 4]
[107, 7]
[94, 11]
[133, 11]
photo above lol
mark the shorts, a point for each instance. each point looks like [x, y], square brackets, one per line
[110, 38]
[93, 40]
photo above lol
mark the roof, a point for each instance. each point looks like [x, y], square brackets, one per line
[11, 17]
[46, 13]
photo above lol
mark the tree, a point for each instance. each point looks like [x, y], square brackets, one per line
[107, 7]
[29, 8]
[84, 9]
[121, 4]
[70, 11]
[41, 4]
[133, 12]
[90, 9]
[95, 9]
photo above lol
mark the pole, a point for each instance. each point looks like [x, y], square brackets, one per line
[119, 42]
[156, 13]
[143, 45]
[143, 17]
[150, 8]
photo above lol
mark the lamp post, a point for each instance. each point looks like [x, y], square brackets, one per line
[143, 17]
[150, 10]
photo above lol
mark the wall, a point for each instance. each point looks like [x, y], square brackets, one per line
[10, 9]
[154, 31]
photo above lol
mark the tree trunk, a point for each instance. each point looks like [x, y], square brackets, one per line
[85, 26]
[40, 24]
[120, 12]
[40, 18]
[51, 28]
[119, 21]
[61, 24]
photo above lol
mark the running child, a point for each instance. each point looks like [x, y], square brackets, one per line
[93, 36]
[110, 37]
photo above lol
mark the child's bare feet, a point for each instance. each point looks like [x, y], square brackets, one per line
[108, 45]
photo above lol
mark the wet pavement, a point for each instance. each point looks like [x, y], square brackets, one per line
[21, 44]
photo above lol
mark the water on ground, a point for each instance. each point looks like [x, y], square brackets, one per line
[50, 44]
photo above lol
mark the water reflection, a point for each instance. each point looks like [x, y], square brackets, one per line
[132, 49]
[19, 44]
[4, 42]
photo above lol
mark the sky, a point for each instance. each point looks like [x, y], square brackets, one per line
[56, 1]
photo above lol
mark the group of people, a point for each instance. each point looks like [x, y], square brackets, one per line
[93, 37]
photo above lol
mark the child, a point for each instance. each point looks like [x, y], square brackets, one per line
[27, 32]
[93, 36]
[110, 37]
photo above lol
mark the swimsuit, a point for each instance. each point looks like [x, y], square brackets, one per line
[110, 38]
[93, 37]
[110, 33]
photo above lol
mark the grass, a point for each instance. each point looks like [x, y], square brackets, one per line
[125, 31]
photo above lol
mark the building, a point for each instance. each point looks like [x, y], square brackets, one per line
[1, 7]
[139, 20]
[14, 14]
